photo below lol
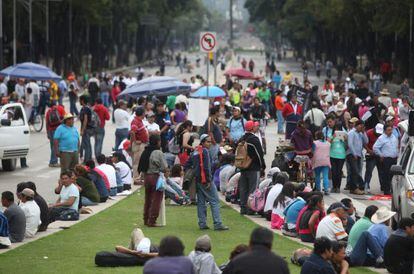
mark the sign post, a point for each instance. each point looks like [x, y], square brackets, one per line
[208, 44]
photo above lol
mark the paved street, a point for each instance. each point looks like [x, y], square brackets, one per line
[46, 178]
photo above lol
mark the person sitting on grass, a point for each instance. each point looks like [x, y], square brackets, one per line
[331, 225]
[98, 181]
[239, 249]
[309, 218]
[67, 205]
[352, 216]
[282, 201]
[15, 217]
[338, 261]
[202, 258]
[319, 261]
[4, 232]
[109, 172]
[89, 193]
[399, 249]
[31, 211]
[171, 259]
[260, 258]
[291, 214]
[123, 168]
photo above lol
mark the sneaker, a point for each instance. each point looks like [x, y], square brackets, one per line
[326, 192]
[357, 192]
[221, 228]
[54, 165]
[204, 227]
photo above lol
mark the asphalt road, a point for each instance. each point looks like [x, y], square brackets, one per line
[46, 178]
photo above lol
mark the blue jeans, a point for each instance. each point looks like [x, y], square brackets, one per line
[370, 164]
[280, 122]
[113, 191]
[87, 202]
[324, 171]
[73, 109]
[99, 137]
[86, 144]
[105, 98]
[359, 255]
[209, 195]
[53, 158]
[120, 135]
[355, 172]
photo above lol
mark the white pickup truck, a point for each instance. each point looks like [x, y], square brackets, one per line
[14, 135]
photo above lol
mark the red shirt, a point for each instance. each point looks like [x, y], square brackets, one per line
[62, 113]
[288, 109]
[372, 138]
[103, 114]
[141, 133]
[114, 93]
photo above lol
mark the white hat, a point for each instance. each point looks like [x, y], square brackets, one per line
[358, 101]
[389, 118]
[379, 128]
[339, 107]
[216, 103]
[383, 214]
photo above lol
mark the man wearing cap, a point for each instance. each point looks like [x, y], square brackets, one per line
[250, 176]
[331, 225]
[202, 258]
[54, 117]
[370, 158]
[386, 148]
[152, 127]
[66, 143]
[235, 126]
[121, 117]
[357, 139]
[139, 139]
[31, 211]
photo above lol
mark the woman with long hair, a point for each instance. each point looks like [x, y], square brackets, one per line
[151, 164]
[309, 219]
[185, 140]
[282, 201]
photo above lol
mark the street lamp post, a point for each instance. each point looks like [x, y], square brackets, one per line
[30, 31]
[1, 33]
[14, 33]
[410, 51]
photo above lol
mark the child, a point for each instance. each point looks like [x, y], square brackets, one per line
[281, 202]
[321, 162]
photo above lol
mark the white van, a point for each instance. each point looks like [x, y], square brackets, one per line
[14, 135]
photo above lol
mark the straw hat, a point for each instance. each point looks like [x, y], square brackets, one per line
[353, 120]
[339, 107]
[383, 214]
[385, 92]
[68, 116]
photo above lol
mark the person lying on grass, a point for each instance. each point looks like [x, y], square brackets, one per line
[139, 245]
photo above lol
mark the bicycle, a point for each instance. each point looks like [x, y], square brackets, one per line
[36, 120]
[303, 175]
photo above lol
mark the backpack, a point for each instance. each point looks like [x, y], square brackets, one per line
[173, 146]
[256, 200]
[93, 88]
[242, 159]
[54, 117]
[95, 121]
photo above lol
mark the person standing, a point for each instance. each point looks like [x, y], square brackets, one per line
[93, 88]
[105, 89]
[63, 88]
[279, 105]
[337, 156]
[162, 118]
[139, 138]
[152, 163]
[19, 88]
[212, 128]
[121, 117]
[259, 258]
[201, 162]
[292, 113]
[250, 176]
[73, 97]
[54, 117]
[66, 143]
[15, 216]
[31, 212]
[321, 162]
[103, 114]
[370, 158]
[87, 129]
[386, 148]
[235, 126]
[357, 139]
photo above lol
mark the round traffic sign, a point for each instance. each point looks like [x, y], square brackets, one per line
[208, 41]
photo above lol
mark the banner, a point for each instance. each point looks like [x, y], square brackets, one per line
[198, 110]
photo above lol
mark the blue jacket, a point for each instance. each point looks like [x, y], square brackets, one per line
[194, 163]
[317, 265]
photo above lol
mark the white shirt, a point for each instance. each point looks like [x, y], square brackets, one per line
[316, 116]
[271, 196]
[126, 154]
[151, 127]
[32, 212]
[19, 89]
[124, 172]
[3, 89]
[332, 228]
[121, 118]
[280, 208]
[109, 172]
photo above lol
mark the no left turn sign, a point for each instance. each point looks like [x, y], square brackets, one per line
[208, 41]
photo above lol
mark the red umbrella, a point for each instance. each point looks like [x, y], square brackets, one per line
[240, 73]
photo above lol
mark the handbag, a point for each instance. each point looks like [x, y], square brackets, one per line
[160, 186]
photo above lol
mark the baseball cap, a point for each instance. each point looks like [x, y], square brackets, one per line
[250, 125]
[203, 137]
[379, 128]
[389, 118]
[237, 108]
[336, 206]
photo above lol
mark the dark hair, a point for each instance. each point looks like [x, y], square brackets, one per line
[319, 135]
[98, 101]
[261, 236]
[154, 140]
[288, 190]
[359, 122]
[66, 173]
[241, 248]
[139, 111]
[8, 196]
[280, 178]
[121, 158]
[338, 246]
[80, 170]
[183, 126]
[387, 126]
[141, 100]
[370, 210]
[20, 187]
[321, 245]
[227, 158]
[101, 159]
[171, 246]
[176, 171]
[405, 222]
[347, 202]
[313, 201]
[32, 186]
[90, 163]
[213, 110]
[83, 98]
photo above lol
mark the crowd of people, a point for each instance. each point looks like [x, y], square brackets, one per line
[157, 146]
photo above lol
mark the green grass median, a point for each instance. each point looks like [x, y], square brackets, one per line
[73, 250]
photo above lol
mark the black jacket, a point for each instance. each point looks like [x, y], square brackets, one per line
[259, 260]
[255, 152]
[399, 253]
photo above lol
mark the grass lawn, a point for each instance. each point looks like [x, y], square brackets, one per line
[73, 250]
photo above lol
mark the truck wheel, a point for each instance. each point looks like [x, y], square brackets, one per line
[8, 164]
